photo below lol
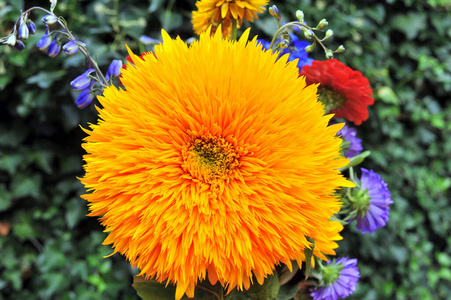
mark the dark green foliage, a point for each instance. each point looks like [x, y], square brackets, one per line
[53, 251]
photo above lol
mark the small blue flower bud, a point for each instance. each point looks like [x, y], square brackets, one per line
[114, 70]
[274, 11]
[54, 48]
[82, 82]
[70, 47]
[85, 98]
[11, 40]
[23, 31]
[31, 27]
[49, 19]
[45, 41]
[19, 45]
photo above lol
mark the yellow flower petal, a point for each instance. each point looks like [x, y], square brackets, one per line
[216, 161]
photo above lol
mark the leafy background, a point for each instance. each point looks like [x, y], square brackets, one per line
[49, 249]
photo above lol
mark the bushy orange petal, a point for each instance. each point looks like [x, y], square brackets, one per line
[216, 158]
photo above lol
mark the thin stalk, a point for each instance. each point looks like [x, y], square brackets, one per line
[83, 50]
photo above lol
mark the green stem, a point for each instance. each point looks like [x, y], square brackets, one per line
[234, 29]
[221, 293]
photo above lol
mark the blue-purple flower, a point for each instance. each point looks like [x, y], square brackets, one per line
[295, 49]
[49, 19]
[54, 48]
[371, 201]
[23, 30]
[83, 81]
[339, 279]
[85, 97]
[71, 47]
[114, 70]
[351, 145]
[45, 41]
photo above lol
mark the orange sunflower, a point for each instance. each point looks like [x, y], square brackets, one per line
[221, 12]
[216, 161]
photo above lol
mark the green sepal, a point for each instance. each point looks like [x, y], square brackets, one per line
[354, 161]
[267, 291]
[308, 252]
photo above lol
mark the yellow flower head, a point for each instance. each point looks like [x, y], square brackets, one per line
[221, 12]
[216, 162]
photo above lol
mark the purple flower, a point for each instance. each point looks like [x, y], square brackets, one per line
[114, 70]
[19, 45]
[85, 98]
[351, 145]
[371, 200]
[54, 48]
[49, 19]
[339, 280]
[83, 81]
[45, 41]
[23, 31]
[31, 26]
[71, 47]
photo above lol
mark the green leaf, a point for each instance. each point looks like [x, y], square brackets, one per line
[170, 20]
[5, 198]
[387, 95]
[26, 185]
[45, 79]
[153, 290]
[268, 291]
[356, 160]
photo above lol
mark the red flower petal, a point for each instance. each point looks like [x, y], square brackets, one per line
[350, 84]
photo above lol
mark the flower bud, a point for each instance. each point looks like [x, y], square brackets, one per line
[274, 11]
[70, 47]
[45, 41]
[11, 40]
[23, 31]
[300, 16]
[83, 81]
[329, 54]
[49, 19]
[284, 44]
[329, 34]
[114, 70]
[340, 49]
[31, 26]
[52, 4]
[85, 98]
[54, 48]
[307, 33]
[310, 48]
[323, 23]
[19, 45]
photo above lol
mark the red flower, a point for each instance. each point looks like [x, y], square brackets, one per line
[344, 91]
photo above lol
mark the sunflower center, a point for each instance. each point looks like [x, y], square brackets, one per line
[331, 98]
[210, 158]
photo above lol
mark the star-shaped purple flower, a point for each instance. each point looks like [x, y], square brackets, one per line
[352, 145]
[340, 279]
[375, 215]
